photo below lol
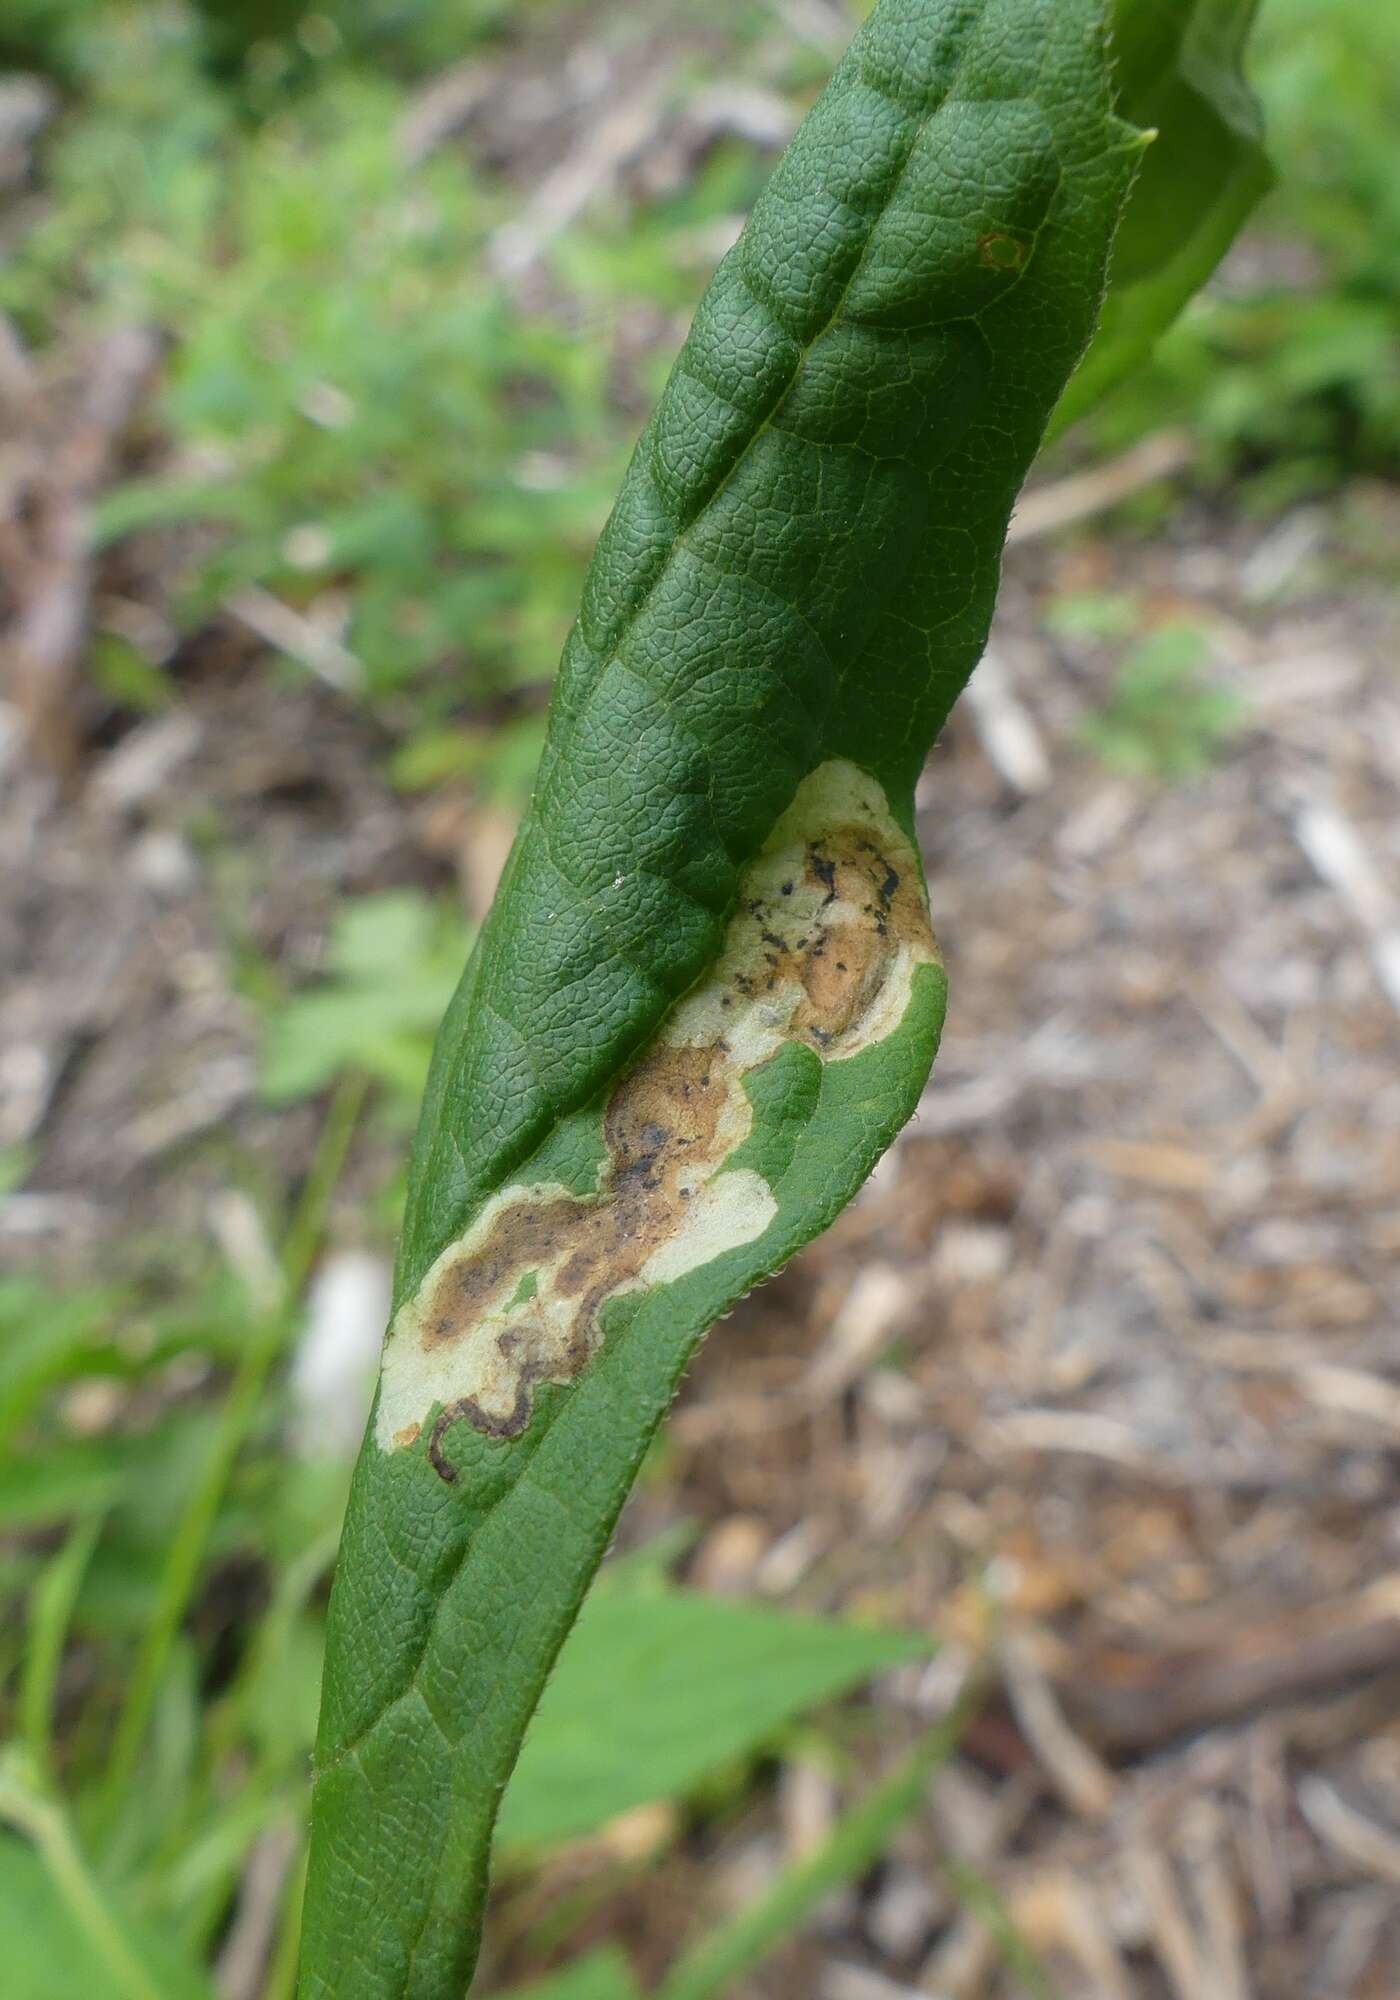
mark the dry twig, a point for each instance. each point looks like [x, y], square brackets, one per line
[1083, 494]
[50, 568]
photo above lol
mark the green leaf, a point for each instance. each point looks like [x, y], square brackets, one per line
[46, 1337]
[1178, 74]
[707, 996]
[603, 1975]
[392, 968]
[57, 1949]
[655, 1690]
[1163, 718]
[74, 1476]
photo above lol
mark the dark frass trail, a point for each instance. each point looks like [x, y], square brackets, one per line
[708, 994]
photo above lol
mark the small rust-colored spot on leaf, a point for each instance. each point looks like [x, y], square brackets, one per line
[1000, 252]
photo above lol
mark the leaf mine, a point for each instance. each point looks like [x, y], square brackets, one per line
[829, 928]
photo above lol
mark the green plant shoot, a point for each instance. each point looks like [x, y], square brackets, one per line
[1176, 73]
[709, 994]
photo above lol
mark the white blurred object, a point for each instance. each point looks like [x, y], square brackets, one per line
[1006, 728]
[1338, 851]
[332, 1374]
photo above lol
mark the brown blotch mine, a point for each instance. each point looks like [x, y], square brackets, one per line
[663, 1132]
[807, 960]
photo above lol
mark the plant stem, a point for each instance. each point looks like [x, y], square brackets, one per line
[186, 1551]
[50, 1613]
[290, 1593]
[282, 1971]
[976, 1893]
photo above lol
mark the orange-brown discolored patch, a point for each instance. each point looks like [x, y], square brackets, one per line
[668, 1111]
[845, 959]
[1000, 252]
[522, 1237]
[664, 1132]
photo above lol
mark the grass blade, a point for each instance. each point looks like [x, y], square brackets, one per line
[855, 1844]
[50, 1615]
[185, 1554]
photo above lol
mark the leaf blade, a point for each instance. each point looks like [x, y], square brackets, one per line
[789, 596]
[1179, 75]
[653, 1692]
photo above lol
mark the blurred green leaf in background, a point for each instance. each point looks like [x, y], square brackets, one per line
[1178, 67]
[1288, 364]
[657, 1688]
[391, 965]
[1164, 718]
